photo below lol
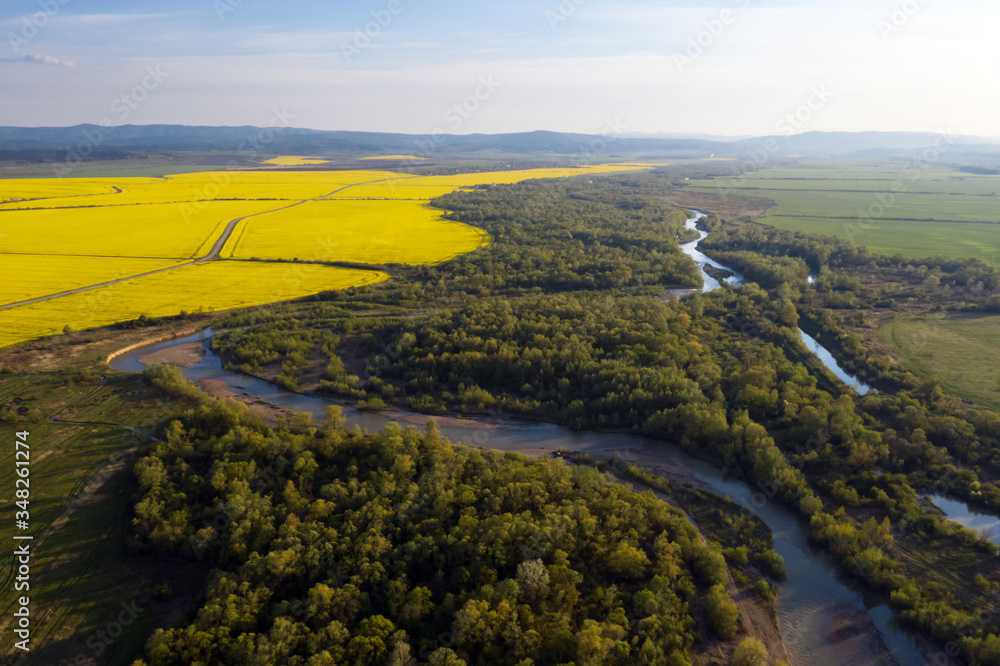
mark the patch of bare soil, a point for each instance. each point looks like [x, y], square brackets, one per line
[404, 417]
[668, 469]
[183, 355]
[853, 631]
[218, 388]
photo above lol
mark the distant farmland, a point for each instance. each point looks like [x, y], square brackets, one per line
[910, 209]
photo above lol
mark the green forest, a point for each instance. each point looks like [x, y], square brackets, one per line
[337, 547]
[565, 317]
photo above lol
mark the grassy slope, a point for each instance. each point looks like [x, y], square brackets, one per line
[80, 571]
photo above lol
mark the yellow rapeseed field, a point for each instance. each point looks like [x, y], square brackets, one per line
[34, 189]
[113, 191]
[211, 286]
[206, 186]
[364, 232]
[428, 187]
[58, 235]
[296, 160]
[393, 157]
[155, 230]
[380, 223]
[27, 276]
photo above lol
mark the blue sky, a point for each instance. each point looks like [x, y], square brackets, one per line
[726, 67]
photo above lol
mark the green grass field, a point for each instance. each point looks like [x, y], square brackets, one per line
[80, 484]
[891, 208]
[962, 351]
[910, 239]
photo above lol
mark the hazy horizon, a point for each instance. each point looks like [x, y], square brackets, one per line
[722, 138]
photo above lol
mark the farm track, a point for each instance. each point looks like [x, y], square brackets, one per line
[213, 255]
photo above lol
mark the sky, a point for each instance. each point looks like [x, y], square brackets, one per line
[732, 67]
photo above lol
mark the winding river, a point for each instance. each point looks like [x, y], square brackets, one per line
[712, 283]
[814, 605]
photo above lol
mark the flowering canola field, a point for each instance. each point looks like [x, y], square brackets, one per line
[362, 232]
[54, 274]
[126, 247]
[153, 230]
[205, 287]
[296, 160]
[197, 187]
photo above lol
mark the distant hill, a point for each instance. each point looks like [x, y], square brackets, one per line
[539, 143]
[179, 137]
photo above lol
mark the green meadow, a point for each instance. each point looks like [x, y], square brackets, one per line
[960, 351]
[909, 209]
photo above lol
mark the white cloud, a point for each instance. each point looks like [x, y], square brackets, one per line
[40, 60]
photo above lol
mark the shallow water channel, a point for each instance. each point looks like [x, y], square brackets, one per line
[712, 283]
[813, 604]
[967, 516]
